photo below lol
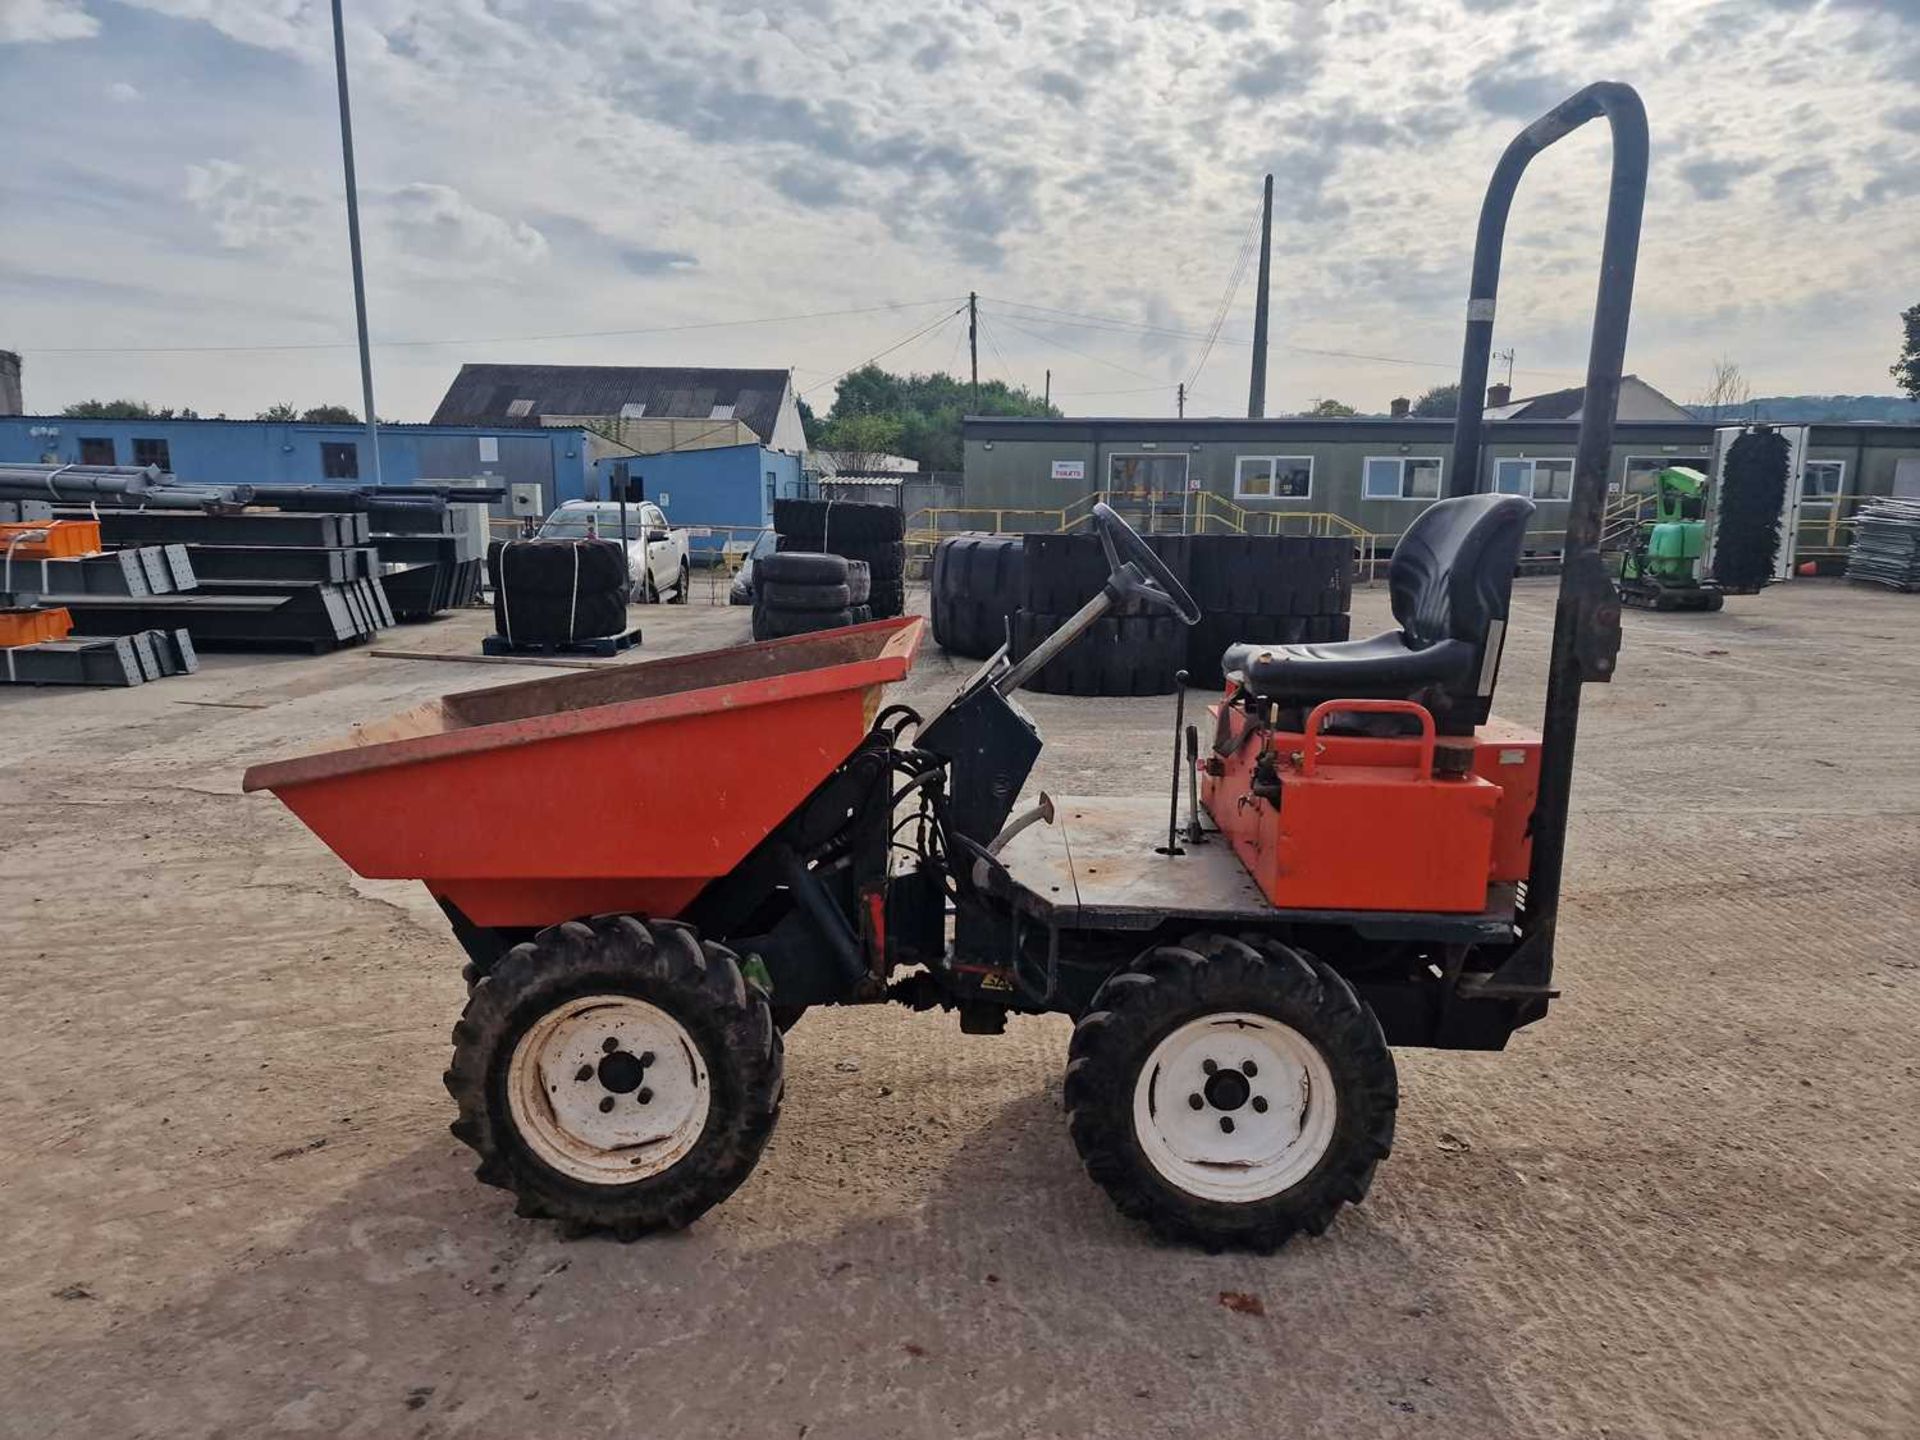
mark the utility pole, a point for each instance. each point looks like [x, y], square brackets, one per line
[1047, 398]
[973, 344]
[353, 238]
[1257, 393]
[1180, 400]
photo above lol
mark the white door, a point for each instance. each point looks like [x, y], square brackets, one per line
[660, 560]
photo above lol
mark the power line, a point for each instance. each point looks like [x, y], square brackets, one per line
[490, 340]
[1113, 324]
[1226, 300]
[1005, 368]
[881, 354]
[1097, 359]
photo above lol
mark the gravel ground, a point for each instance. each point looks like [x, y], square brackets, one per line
[1685, 1205]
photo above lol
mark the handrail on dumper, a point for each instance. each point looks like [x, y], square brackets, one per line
[1586, 621]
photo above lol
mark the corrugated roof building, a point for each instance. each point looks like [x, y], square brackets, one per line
[648, 409]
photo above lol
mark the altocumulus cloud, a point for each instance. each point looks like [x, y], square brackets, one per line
[1095, 154]
[23, 22]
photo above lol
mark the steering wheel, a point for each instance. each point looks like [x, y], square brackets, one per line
[1135, 571]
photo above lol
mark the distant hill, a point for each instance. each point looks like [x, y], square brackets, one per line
[1817, 409]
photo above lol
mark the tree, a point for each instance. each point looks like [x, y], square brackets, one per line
[1907, 368]
[1323, 409]
[861, 442]
[1442, 402]
[1727, 391]
[125, 410]
[810, 423]
[927, 409]
[316, 415]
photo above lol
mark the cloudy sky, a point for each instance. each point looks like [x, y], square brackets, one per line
[604, 181]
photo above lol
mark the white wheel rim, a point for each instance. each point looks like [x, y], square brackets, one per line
[608, 1089]
[1252, 1136]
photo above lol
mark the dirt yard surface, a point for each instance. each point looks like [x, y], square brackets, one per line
[1685, 1205]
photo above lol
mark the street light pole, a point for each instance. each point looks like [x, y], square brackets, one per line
[353, 238]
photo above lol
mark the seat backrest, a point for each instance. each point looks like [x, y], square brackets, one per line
[1452, 571]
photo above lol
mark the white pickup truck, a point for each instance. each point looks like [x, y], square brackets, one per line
[656, 553]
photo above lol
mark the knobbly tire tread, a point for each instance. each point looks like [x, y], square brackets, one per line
[786, 595]
[772, 624]
[1171, 984]
[800, 567]
[667, 964]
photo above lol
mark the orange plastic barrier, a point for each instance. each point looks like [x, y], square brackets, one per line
[31, 627]
[49, 539]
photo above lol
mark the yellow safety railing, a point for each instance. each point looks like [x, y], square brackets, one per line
[1826, 523]
[1619, 520]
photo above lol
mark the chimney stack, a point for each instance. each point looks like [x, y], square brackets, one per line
[10, 401]
[1499, 394]
[1399, 407]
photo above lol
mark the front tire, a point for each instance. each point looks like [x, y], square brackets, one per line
[616, 1075]
[684, 588]
[1230, 1093]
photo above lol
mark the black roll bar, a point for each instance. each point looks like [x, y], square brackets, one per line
[1586, 621]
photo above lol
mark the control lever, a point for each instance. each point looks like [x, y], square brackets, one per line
[1172, 846]
[1195, 835]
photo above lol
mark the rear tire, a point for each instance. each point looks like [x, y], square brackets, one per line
[606, 1049]
[786, 595]
[799, 567]
[770, 624]
[1295, 1084]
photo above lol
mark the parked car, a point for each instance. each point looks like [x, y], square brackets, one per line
[742, 591]
[656, 553]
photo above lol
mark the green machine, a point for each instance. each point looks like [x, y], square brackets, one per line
[1660, 569]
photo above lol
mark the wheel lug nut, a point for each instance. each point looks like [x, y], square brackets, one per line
[1196, 1102]
[606, 1103]
[645, 1096]
[584, 1073]
[1260, 1104]
[611, 1044]
[1249, 1069]
[646, 1058]
[1226, 1124]
[1207, 1067]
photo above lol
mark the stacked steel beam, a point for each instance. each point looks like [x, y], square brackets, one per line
[265, 580]
[48, 569]
[326, 565]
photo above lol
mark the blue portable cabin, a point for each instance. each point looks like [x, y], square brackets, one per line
[272, 452]
[727, 490]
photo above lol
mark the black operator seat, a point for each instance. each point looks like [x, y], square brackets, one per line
[1450, 580]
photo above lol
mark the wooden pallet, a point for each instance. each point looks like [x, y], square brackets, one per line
[602, 645]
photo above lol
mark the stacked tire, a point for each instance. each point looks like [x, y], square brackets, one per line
[1119, 655]
[872, 535]
[1265, 590]
[1136, 649]
[797, 592]
[978, 584]
[557, 592]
